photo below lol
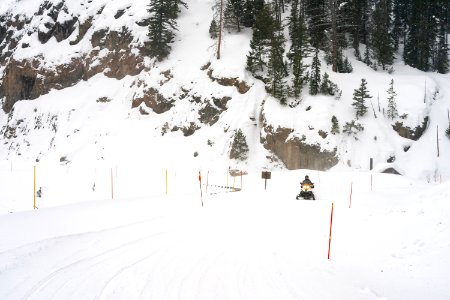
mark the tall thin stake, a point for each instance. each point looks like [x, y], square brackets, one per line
[112, 185]
[331, 226]
[437, 139]
[34, 193]
[220, 29]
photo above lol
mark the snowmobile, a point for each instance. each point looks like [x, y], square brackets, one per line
[306, 192]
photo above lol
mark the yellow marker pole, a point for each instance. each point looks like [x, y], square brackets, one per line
[34, 190]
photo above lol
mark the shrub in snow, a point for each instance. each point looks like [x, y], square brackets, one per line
[334, 125]
[327, 87]
[447, 132]
[239, 148]
[352, 128]
[213, 29]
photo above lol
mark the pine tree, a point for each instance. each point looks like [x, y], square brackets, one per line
[392, 112]
[421, 35]
[400, 20]
[381, 38]
[162, 24]
[367, 56]
[276, 68]
[447, 131]
[213, 29]
[239, 148]
[248, 17]
[335, 125]
[325, 85]
[315, 11]
[299, 47]
[260, 42]
[234, 14]
[359, 99]
[352, 128]
[314, 79]
[441, 61]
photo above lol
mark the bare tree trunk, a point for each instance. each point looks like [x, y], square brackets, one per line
[219, 41]
[334, 41]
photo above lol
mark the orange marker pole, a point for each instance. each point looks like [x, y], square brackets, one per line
[200, 181]
[331, 226]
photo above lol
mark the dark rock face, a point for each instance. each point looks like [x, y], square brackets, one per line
[29, 79]
[26, 80]
[412, 134]
[154, 100]
[241, 86]
[295, 153]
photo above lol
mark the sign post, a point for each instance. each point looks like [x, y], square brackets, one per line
[266, 175]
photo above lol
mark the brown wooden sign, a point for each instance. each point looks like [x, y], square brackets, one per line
[266, 175]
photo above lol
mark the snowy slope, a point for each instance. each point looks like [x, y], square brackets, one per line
[392, 243]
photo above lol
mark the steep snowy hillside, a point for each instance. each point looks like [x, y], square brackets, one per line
[96, 98]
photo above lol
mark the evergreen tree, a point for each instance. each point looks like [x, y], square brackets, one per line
[276, 71]
[352, 128]
[367, 56]
[234, 14]
[260, 42]
[162, 24]
[392, 112]
[447, 131]
[315, 11]
[250, 10]
[381, 39]
[239, 148]
[299, 47]
[335, 125]
[359, 99]
[421, 36]
[213, 29]
[248, 18]
[441, 61]
[314, 79]
[400, 20]
[325, 85]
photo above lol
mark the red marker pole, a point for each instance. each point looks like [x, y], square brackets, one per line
[331, 226]
[200, 181]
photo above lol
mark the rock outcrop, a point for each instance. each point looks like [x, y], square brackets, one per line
[294, 152]
[408, 132]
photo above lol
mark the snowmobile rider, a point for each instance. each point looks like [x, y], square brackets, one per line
[307, 181]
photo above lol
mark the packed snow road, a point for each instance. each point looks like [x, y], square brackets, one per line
[254, 244]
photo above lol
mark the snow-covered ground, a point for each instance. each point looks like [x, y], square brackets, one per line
[120, 215]
[392, 243]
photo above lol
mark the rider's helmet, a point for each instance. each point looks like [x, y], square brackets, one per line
[306, 177]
